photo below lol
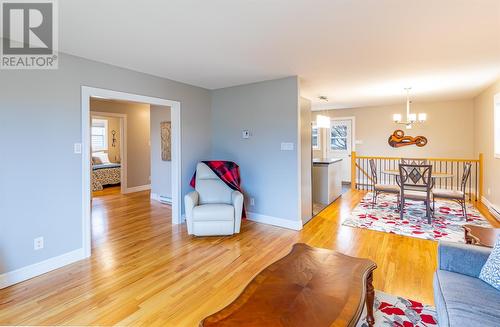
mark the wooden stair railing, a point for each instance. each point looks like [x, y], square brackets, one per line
[361, 179]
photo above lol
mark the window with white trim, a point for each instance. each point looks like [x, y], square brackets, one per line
[315, 138]
[496, 127]
[338, 137]
[99, 135]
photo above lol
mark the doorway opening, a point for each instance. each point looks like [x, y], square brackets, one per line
[144, 171]
[332, 146]
[108, 146]
[341, 144]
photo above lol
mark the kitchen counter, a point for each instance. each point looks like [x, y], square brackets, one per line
[326, 180]
[326, 161]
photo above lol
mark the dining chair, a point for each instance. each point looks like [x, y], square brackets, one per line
[380, 188]
[416, 184]
[413, 161]
[455, 195]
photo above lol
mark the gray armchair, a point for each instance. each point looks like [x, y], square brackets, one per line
[461, 298]
[214, 208]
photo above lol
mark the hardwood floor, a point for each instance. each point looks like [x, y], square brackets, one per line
[144, 271]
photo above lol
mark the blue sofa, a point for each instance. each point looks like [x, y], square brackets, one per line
[461, 298]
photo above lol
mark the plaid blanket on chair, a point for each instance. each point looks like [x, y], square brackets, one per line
[228, 172]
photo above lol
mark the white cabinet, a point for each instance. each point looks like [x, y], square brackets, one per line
[327, 180]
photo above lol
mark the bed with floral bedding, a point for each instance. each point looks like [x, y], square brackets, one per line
[105, 174]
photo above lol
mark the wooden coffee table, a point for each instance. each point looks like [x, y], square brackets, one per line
[478, 235]
[307, 287]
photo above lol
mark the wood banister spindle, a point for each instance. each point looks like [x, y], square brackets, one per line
[481, 176]
[353, 170]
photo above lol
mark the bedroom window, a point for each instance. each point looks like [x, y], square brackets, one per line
[496, 140]
[315, 138]
[99, 135]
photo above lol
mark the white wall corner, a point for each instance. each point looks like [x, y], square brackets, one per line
[275, 221]
[39, 268]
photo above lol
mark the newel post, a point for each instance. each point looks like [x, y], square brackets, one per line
[481, 177]
[353, 170]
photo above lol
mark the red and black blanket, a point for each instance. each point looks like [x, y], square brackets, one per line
[228, 172]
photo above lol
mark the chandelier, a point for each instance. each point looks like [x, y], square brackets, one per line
[411, 119]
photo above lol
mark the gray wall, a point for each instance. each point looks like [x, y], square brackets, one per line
[449, 129]
[40, 177]
[269, 110]
[161, 171]
[484, 141]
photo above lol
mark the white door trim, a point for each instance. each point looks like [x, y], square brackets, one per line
[123, 145]
[175, 106]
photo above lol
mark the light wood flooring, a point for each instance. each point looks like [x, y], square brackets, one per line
[144, 271]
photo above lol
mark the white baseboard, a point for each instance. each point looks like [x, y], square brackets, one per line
[137, 188]
[39, 268]
[491, 208]
[161, 198]
[275, 221]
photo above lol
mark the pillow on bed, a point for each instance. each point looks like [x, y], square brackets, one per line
[100, 158]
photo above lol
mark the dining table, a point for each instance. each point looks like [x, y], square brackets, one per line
[435, 174]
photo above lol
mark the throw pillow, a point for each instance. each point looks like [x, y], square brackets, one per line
[490, 273]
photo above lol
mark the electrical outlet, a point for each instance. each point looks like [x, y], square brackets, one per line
[252, 201]
[38, 243]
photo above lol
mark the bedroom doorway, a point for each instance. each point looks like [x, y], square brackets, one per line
[108, 144]
[160, 122]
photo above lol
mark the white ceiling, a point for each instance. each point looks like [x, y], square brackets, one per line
[356, 52]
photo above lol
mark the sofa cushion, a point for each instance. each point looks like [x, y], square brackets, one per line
[465, 301]
[490, 273]
[213, 212]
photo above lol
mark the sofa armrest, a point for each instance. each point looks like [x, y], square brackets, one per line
[190, 201]
[464, 259]
[237, 200]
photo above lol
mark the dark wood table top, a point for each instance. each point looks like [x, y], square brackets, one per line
[479, 235]
[307, 287]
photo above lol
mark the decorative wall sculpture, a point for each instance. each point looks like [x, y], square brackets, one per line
[398, 139]
[166, 149]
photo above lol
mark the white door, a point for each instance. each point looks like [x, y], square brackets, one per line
[340, 142]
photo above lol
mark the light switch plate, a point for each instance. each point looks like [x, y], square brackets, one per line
[77, 148]
[286, 146]
[245, 134]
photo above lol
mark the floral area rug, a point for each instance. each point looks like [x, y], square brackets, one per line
[393, 311]
[446, 224]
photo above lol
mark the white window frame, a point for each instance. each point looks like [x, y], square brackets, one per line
[105, 146]
[318, 145]
[496, 126]
[330, 137]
